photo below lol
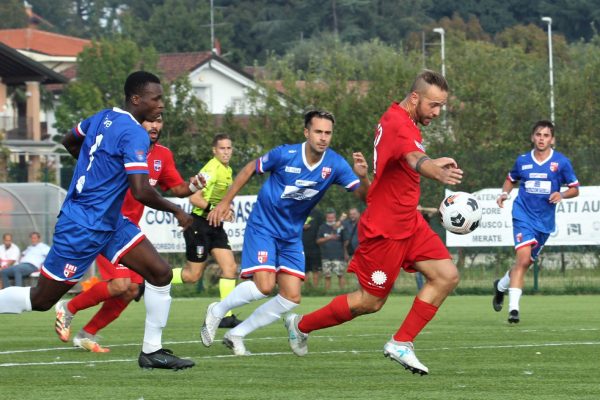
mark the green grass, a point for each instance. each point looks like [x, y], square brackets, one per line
[471, 352]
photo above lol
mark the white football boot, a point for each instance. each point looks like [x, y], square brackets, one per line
[209, 327]
[296, 339]
[404, 353]
[236, 344]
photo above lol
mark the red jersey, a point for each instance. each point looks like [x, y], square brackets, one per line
[394, 194]
[161, 170]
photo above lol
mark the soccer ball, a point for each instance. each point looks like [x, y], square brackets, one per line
[460, 213]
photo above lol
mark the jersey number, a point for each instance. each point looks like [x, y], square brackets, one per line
[81, 180]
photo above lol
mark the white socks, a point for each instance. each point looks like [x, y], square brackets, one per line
[244, 293]
[514, 295]
[504, 282]
[15, 300]
[264, 315]
[158, 302]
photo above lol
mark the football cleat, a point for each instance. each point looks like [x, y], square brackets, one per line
[296, 339]
[88, 342]
[498, 299]
[236, 344]
[163, 359]
[230, 321]
[513, 317]
[404, 354]
[62, 326]
[209, 327]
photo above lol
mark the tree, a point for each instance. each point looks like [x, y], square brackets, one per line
[81, 18]
[13, 14]
[177, 26]
[101, 71]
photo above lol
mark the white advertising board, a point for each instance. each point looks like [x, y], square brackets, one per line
[161, 227]
[577, 221]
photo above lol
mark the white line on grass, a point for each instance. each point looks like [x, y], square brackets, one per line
[91, 363]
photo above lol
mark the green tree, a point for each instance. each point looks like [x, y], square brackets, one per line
[177, 26]
[13, 14]
[101, 71]
[81, 18]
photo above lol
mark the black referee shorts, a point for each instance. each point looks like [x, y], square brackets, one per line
[201, 238]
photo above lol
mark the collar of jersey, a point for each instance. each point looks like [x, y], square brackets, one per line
[119, 110]
[311, 168]
[544, 160]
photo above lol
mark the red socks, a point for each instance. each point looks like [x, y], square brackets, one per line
[95, 295]
[418, 316]
[111, 309]
[335, 313]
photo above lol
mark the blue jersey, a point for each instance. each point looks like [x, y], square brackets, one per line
[114, 145]
[538, 181]
[294, 188]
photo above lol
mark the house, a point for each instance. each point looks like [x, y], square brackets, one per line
[21, 131]
[55, 51]
[218, 83]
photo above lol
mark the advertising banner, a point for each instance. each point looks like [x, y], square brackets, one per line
[161, 227]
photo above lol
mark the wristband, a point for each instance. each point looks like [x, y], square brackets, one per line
[507, 195]
[194, 188]
[420, 162]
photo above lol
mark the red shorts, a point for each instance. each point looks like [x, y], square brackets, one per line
[110, 271]
[378, 261]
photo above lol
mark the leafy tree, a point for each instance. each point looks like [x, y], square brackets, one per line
[533, 39]
[177, 26]
[13, 14]
[101, 71]
[81, 18]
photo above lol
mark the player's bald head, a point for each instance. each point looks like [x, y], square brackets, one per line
[428, 78]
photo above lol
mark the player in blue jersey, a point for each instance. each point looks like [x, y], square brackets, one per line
[541, 173]
[273, 252]
[110, 148]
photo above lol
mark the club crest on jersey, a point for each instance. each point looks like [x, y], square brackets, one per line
[325, 172]
[69, 270]
[140, 155]
[263, 256]
[157, 165]
[420, 146]
[553, 166]
[519, 237]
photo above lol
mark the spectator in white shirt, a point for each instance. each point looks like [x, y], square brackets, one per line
[9, 252]
[31, 261]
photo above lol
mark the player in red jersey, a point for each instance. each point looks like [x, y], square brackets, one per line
[120, 285]
[392, 233]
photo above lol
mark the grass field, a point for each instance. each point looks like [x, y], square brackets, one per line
[471, 352]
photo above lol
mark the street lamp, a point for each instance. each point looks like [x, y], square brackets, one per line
[443, 58]
[443, 49]
[212, 28]
[551, 71]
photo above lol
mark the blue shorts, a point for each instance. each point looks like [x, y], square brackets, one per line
[524, 235]
[262, 252]
[75, 247]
